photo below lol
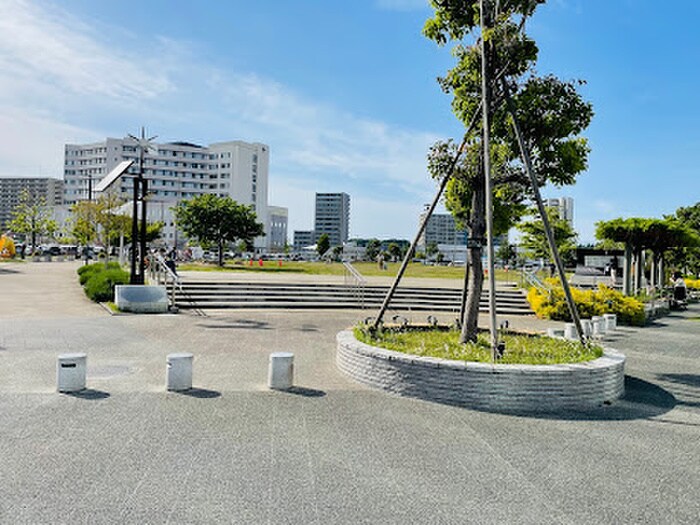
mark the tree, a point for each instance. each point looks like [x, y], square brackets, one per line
[639, 234]
[32, 217]
[372, 250]
[507, 253]
[394, 251]
[217, 220]
[431, 249]
[323, 244]
[534, 241]
[83, 223]
[687, 258]
[550, 112]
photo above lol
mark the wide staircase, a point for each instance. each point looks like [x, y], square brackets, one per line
[232, 294]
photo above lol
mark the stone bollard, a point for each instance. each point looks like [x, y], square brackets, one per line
[179, 372]
[587, 327]
[570, 332]
[610, 322]
[598, 325]
[70, 372]
[281, 372]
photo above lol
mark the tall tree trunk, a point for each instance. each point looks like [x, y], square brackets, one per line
[470, 323]
[221, 253]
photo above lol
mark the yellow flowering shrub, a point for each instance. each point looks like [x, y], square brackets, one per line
[551, 304]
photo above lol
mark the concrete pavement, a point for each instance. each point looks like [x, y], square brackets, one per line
[331, 451]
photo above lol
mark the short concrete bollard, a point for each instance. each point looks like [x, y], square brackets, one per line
[570, 332]
[70, 372]
[179, 372]
[281, 372]
[610, 322]
[587, 327]
[598, 325]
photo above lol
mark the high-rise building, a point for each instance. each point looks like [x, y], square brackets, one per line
[564, 207]
[176, 171]
[50, 190]
[441, 229]
[277, 228]
[333, 217]
[303, 239]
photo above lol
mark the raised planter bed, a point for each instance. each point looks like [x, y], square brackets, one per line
[497, 387]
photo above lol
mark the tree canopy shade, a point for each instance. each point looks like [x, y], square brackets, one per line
[217, 220]
[550, 112]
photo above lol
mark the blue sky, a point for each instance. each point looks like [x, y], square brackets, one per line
[344, 93]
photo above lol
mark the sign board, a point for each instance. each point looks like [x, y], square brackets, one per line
[114, 175]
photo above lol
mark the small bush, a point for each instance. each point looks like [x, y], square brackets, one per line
[552, 304]
[100, 286]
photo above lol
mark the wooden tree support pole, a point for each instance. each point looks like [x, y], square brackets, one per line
[486, 48]
[424, 223]
[543, 213]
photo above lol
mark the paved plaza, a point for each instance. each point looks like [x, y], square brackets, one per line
[329, 451]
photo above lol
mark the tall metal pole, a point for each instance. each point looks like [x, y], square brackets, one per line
[424, 223]
[485, 107]
[543, 213]
[134, 231]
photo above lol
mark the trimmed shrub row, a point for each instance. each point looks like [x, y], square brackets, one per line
[552, 304]
[98, 280]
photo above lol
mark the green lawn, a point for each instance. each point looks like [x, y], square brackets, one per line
[365, 268]
[520, 348]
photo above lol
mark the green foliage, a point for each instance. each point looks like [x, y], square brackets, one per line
[534, 240]
[520, 348]
[31, 217]
[100, 286]
[655, 234]
[552, 304]
[323, 244]
[372, 249]
[687, 258]
[99, 280]
[551, 114]
[218, 220]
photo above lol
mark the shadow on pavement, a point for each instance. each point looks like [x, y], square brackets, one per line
[8, 270]
[89, 394]
[642, 400]
[236, 324]
[305, 392]
[682, 379]
[200, 393]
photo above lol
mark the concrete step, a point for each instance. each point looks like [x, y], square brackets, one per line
[216, 295]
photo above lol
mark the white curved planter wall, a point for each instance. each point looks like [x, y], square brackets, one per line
[517, 388]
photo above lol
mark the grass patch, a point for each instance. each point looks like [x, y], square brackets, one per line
[520, 348]
[112, 306]
[365, 268]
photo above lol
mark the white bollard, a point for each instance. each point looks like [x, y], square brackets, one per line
[570, 332]
[179, 372]
[610, 322]
[281, 372]
[598, 325]
[70, 372]
[587, 327]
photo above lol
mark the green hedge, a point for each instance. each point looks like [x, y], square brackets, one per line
[99, 281]
[552, 304]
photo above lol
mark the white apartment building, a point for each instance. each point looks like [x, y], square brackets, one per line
[564, 206]
[332, 217]
[176, 171]
[47, 189]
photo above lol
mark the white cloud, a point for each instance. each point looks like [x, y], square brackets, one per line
[62, 81]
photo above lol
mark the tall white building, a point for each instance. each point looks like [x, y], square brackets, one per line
[441, 229]
[564, 206]
[332, 217]
[176, 171]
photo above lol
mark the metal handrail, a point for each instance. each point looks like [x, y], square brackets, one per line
[355, 279]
